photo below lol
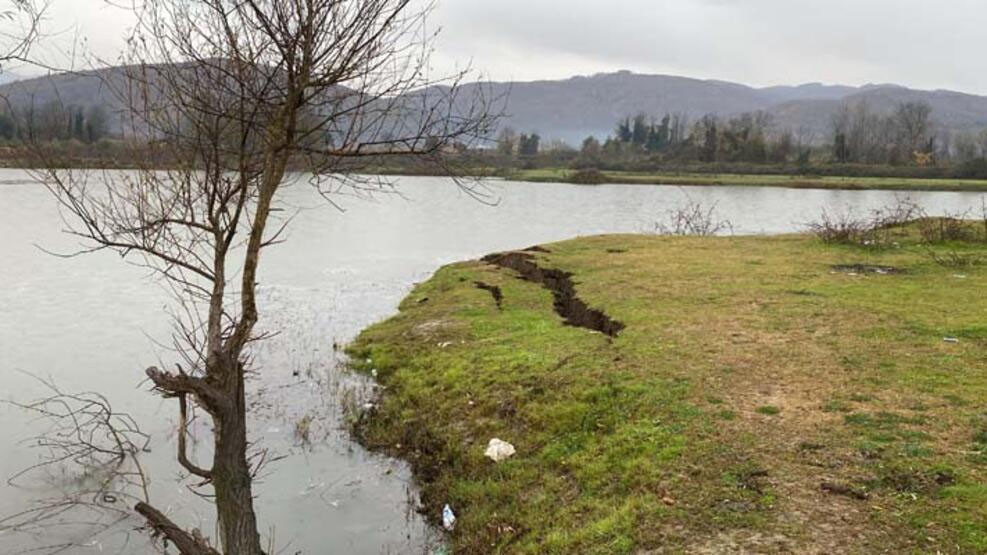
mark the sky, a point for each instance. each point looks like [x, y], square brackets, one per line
[918, 43]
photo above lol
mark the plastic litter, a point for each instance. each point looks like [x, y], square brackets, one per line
[498, 450]
[950, 340]
[448, 518]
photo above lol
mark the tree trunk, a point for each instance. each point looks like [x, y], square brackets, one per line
[231, 472]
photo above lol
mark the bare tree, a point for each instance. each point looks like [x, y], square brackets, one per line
[20, 24]
[913, 124]
[229, 101]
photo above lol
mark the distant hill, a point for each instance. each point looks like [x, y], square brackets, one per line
[571, 109]
[574, 108]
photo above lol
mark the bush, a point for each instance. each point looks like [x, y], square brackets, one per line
[972, 169]
[948, 228]
[875, 229]
[693, 219]
[588, 177]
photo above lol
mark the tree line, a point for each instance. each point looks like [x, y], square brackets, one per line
[54, 122]
[905, 136]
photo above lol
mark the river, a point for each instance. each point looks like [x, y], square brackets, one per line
[94, 322]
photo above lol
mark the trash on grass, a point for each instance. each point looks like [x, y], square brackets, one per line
[498, 450]
[448, 518]
[950, 340]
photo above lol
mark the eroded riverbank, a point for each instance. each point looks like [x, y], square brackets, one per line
[762, 397]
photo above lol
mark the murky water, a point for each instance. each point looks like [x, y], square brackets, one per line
[94, 322]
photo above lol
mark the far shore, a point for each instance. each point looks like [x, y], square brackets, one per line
[791, 181]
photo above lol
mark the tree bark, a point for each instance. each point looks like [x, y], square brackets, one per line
[187, 544]
[231, 474]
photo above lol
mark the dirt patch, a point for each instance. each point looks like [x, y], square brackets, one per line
[868, 269]
[495, 292]
[567, 304]
[538, 248]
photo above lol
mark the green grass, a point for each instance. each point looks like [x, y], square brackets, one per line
[713, 418]
[546, 175]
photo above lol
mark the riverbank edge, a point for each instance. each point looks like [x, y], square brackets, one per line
[787, 181]
[428, 454]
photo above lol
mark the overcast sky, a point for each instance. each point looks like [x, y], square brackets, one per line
[919, 43]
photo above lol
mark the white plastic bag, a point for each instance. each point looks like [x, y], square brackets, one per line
[498, 450]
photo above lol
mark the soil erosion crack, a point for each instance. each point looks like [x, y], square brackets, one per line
[570, 307]
[495, 292]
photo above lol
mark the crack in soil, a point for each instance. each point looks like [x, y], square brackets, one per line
[573, 310]
[495, 292]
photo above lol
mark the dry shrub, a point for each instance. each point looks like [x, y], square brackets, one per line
[875, 229]
[951, 227]
[841, 228]
[693, 219]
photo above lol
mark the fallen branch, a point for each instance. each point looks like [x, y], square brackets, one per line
[187, 544]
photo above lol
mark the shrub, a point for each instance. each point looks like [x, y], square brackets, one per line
[693, 219]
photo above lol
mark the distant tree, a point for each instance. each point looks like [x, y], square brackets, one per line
[8, 127]
[507, 141]
[528, 145]
[50, 122]
[709, 135]
[591, 147]
[559, 146]
[78, 124]
[783, 147]
[680, 122]
[625, 130]
[913, 123]
[841, 150]
[97, 124]
[663, 133]
[965, 148]
[640, 130]
[613, 147]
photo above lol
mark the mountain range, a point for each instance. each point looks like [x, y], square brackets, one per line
[574, 108]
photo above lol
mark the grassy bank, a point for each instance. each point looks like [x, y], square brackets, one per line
[548, 175]
[765, 394]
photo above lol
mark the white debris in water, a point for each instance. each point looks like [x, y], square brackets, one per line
[498, 450]
[448, 518]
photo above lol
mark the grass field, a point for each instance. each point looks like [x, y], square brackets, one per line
[793, 181]
[768, 394]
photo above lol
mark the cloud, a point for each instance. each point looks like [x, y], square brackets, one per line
[760, 42]
[919, 43]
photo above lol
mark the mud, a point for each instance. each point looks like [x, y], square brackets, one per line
[573, 310]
